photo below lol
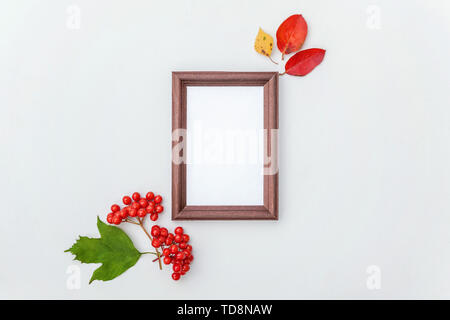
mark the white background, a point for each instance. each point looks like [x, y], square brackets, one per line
[85, 117]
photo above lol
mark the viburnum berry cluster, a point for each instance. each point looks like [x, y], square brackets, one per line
[174, 246]
[136, 207]
[176, 250]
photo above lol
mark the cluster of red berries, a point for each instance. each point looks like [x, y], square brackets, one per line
[176, 249]
[136, 207]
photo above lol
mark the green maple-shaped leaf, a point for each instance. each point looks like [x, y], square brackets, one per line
[114, 250]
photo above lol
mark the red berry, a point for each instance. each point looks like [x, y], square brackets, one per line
[115, 208]
[156, 243]
[168, 241]
[179, 230]
[167, 260]
[166, 252]
[182, 273]
[149, 196]
[154, 216]
[155, 232]
[178, 238]
[164, 232]
[136, 196]
[171, 236]
[156, 227]
[158, 199]
[136, 205]
[124, 213]
[143, 203]
[161, 239]
[132, 212]
[173, 248]
[183, 245]
[187, 253]
[185, 238]
[149, 210]
[180, 256]
[176, 267]
[159, 208]
[185, 268]
[110, 217]
[126, 200]
[141, 212]
[116, 220]
[189, 247]
[186, 261]
[176, 276]
[191, 257]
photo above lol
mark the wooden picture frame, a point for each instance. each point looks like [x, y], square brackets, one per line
[269, 82]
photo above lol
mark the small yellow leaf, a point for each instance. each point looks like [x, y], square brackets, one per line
[264, 43]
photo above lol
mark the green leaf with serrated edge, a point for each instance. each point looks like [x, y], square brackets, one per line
[114, 250]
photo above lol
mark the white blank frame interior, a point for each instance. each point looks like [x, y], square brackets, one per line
[224, 162]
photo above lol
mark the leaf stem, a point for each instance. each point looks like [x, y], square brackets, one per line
[270, 58]
[148, 252]
[282, 74]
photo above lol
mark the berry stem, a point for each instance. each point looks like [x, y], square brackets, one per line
[154, 260]
[151, 239]
[130, 221]
[149, 253]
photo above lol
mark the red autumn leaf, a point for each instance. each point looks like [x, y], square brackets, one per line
[303, 62]
[291, 34]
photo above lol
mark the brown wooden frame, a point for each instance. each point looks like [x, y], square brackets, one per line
[269, 80]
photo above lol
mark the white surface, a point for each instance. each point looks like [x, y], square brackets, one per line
[224, 147]
[85, 116]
